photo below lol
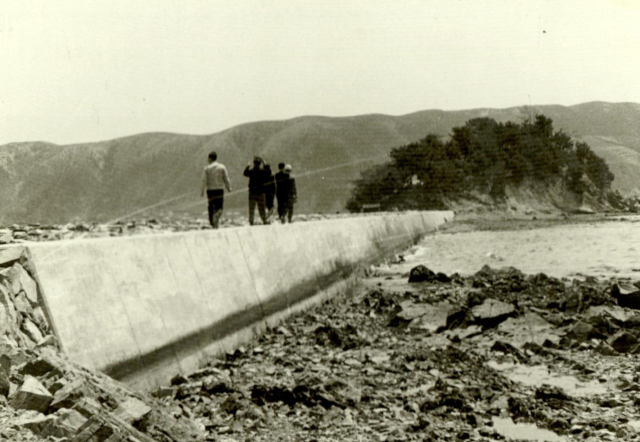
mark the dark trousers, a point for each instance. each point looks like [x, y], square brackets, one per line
[259, 200]
[269, 200]
[282, 203]
[215, 199]
[285, 209]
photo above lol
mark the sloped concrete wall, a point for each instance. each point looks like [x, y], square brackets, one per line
[144, 308]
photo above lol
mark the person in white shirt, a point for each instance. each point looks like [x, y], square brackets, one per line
[214, 180]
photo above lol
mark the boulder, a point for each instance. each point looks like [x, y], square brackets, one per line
[6, 236]
[40, 319]
[424, 316]
[5, 383]
[34, 421]
[408, 312]
[583, 331]
[132, 411]
[8, 314]
[22, 304]
[10, 255]
[32, 395]
[622, 342]
[87, 407]
[65, 423]
[67, 396]
[434, 318]
[37, 367]
[421, 274]
[627, 296]
[605, 349]
[48, 341]
[492, 312]
[96, 429]
[31, 330]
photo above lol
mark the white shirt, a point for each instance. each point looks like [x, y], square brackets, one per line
[216, 177]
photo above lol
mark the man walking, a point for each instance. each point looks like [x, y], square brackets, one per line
[289, 195]
[281, 190]
[257, 181]
[214, 180]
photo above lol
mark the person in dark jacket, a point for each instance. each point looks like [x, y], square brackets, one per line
[281, 191]
[289, 193]
[269, 191]
[257, 181]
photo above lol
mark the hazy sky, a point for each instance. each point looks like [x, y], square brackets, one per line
[75, 71]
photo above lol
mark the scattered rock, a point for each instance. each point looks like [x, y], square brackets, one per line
[622, 341]
[32, 395]
[492, 312]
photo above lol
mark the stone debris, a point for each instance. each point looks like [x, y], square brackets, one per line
[438, 357]
[442, 361]
[21, 233]
[44, 396]
[32, 395]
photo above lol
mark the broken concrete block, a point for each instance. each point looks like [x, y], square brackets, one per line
[64, 423]
[132, 411]
[8, 314]
[10, 255]
[95, 430]
[32, 395]
[37, 368]
[34, 421]
[87, 407]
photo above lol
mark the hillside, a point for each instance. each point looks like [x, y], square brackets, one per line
[43, 182]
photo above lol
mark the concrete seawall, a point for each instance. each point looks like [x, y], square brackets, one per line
[143, 308]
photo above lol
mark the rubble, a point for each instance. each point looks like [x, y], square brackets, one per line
[48, 396]
[443, 361]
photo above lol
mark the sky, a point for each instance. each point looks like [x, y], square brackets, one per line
[75, 71]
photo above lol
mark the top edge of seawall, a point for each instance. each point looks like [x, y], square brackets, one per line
[209, 232]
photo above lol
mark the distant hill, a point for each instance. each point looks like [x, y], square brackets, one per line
[43, 182]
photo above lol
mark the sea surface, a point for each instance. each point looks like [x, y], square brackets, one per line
[602, 249]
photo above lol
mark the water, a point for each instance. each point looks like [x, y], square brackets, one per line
[536, 375]
[601, 249]
[508, 428]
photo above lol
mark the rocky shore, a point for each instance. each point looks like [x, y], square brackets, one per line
[405, 356]
[430, 356]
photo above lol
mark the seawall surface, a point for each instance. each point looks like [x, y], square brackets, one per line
[143, 308]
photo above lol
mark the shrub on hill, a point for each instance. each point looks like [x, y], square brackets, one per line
[483, 155]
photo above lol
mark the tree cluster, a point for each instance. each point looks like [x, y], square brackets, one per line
[483, 155]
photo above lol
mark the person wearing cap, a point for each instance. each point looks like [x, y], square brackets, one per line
[214, 180]
[289, 195]
[257, 185]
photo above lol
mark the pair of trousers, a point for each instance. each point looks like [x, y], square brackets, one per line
[285, 211]
[259, 200]
[215, 199]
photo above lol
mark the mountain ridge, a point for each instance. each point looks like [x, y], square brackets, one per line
[102, 180]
